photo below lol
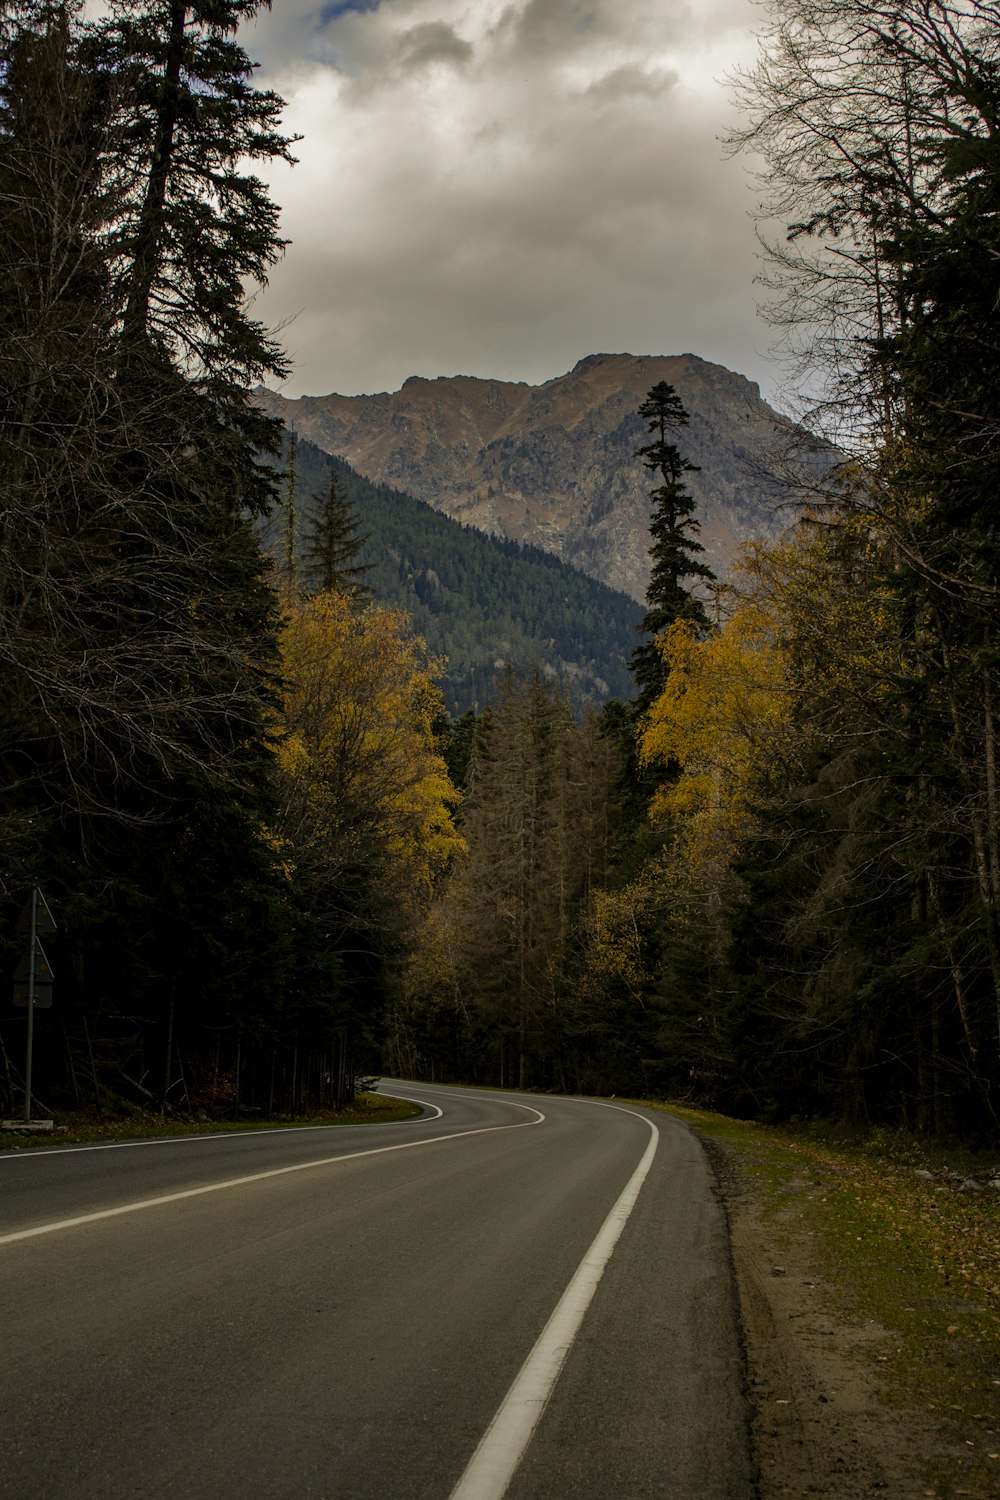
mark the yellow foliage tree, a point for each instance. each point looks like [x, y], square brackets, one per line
[616, 953]
[356, 743]
[810, 649]
[722, 720]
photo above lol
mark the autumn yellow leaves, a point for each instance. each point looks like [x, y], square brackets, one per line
[721, 721]
[363, 782]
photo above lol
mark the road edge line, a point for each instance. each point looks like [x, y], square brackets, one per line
[501, 1448]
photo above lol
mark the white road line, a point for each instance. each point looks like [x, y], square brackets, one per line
[409, 1099]
[492, 1466]
[235, 1182]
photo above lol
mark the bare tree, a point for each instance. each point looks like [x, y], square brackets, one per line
[848, 108]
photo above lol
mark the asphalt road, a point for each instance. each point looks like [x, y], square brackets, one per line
[331, 1314]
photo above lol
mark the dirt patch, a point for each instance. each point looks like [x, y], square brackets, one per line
[820, 1424]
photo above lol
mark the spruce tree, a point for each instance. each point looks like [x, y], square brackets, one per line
[333, 543]
[135, 617]
[198, 226]
[674, 528]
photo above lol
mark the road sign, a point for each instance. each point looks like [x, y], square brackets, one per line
[43, 919]
[43, 979]
[43, 994]
[43, 969]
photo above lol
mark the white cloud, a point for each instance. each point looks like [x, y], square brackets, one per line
[499, 187]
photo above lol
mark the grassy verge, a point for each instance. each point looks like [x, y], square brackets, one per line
[88, 1129]
[904, 1238]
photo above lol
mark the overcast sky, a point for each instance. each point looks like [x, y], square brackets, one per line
[500, 187]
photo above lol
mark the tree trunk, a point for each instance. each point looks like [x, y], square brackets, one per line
[146, 252]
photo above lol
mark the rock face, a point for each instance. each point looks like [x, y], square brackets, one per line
[555, 464]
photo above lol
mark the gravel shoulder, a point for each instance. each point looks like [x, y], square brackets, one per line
[819, 1424]
[829, 1414]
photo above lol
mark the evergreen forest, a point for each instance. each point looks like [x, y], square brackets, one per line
[481, 603]
[306, 797]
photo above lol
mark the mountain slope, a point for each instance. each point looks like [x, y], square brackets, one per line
[481, 602]
[555, 465]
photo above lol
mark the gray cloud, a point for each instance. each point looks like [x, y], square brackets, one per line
[628, 83]
[429, 43]
[542, 27]
[502, 186]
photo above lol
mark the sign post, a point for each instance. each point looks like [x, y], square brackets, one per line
[33, 977]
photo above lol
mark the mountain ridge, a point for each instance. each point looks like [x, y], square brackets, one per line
[555, 464]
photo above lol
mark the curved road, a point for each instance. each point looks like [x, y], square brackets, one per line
[336, 1313]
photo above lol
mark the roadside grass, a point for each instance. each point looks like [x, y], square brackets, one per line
[912, 1252]
[81, 1129]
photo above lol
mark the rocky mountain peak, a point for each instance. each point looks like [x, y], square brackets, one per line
[555, 464]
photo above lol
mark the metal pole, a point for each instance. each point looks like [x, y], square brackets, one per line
[31, 1004]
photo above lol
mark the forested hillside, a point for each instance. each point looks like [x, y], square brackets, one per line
[481, 603]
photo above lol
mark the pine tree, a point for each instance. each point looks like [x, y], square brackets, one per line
[943, 470]
[673, 528]
[290, 530]
[197, 227]
[878, 130]
[134, 612]
[333, 542]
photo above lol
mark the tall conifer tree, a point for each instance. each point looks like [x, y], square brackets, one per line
[333, 543]
[674, 529]
[141, 629]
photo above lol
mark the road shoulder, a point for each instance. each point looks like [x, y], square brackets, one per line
[819, 1424]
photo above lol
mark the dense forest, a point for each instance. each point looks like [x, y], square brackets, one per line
[481, 603]
[768, 879]
[229, 795]
[790, 901]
